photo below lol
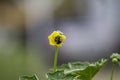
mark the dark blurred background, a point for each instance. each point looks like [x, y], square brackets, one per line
[92, 29]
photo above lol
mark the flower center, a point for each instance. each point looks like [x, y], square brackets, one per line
[58, 40]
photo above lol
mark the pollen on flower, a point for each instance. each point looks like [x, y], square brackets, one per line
[56, 38]
[61, 33]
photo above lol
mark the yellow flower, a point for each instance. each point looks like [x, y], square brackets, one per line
[56, 38]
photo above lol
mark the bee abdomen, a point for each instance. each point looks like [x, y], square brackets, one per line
[58, 40]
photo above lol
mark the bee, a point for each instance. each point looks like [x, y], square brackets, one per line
[58, 40]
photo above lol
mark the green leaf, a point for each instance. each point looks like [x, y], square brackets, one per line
[29, 78]
[76, 71]
[59, 75]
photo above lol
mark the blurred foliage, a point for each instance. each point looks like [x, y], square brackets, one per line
[29, 78]
[19, 62]
[68, 9]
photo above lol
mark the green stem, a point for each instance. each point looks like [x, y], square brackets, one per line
[55, 58]
[112, 73]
